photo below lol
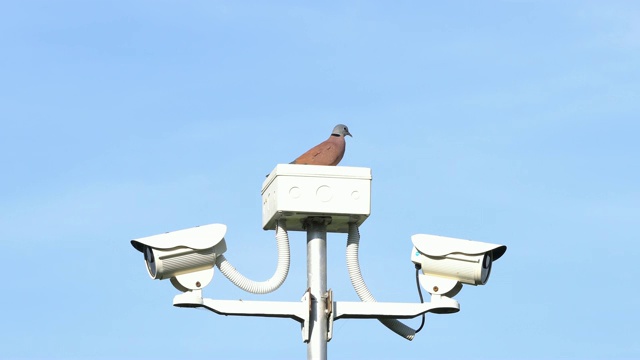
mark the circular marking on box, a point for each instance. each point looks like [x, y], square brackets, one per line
[295, 192]
[355, 195]
[324, 193]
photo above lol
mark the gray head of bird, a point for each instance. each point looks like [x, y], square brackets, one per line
[341, 130]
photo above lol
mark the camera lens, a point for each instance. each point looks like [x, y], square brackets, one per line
[150, 260]
[486, 261]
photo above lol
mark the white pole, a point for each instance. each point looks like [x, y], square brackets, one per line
[317, 283]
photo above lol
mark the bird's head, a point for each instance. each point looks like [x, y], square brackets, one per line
[341, 130]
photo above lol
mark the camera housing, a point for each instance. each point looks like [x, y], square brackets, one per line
[187, 257]
[447, 262]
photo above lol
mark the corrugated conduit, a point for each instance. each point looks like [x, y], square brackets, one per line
[353, 265]
[262, 287]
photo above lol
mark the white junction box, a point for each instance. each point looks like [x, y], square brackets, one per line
[296, 192]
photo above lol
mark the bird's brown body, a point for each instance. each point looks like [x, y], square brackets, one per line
[328, 152]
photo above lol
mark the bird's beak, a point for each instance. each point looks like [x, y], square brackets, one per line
[348, 133]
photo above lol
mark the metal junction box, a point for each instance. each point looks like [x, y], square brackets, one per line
[296, 192]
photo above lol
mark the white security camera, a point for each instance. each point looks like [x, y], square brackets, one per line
[187, 257]
[446, 262]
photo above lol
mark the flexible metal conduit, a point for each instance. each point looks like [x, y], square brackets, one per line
[353, 265]
[262, 287]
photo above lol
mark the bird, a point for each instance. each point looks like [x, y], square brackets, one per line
[328, 152]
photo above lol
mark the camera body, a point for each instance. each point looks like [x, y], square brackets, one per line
[187, 257]
[447, 263]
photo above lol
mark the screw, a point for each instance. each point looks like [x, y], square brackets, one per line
[435, 288]
[198, 284]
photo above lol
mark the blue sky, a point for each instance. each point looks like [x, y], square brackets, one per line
[512, 122]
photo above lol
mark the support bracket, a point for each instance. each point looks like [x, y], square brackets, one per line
[388, 310]
[329, 300]
[298, 311]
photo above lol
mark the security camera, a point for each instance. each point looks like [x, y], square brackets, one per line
[187, 257]
[447, 262]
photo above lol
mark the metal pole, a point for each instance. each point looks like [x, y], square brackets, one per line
[317, 283]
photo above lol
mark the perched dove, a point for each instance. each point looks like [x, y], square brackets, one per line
[328, 152]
